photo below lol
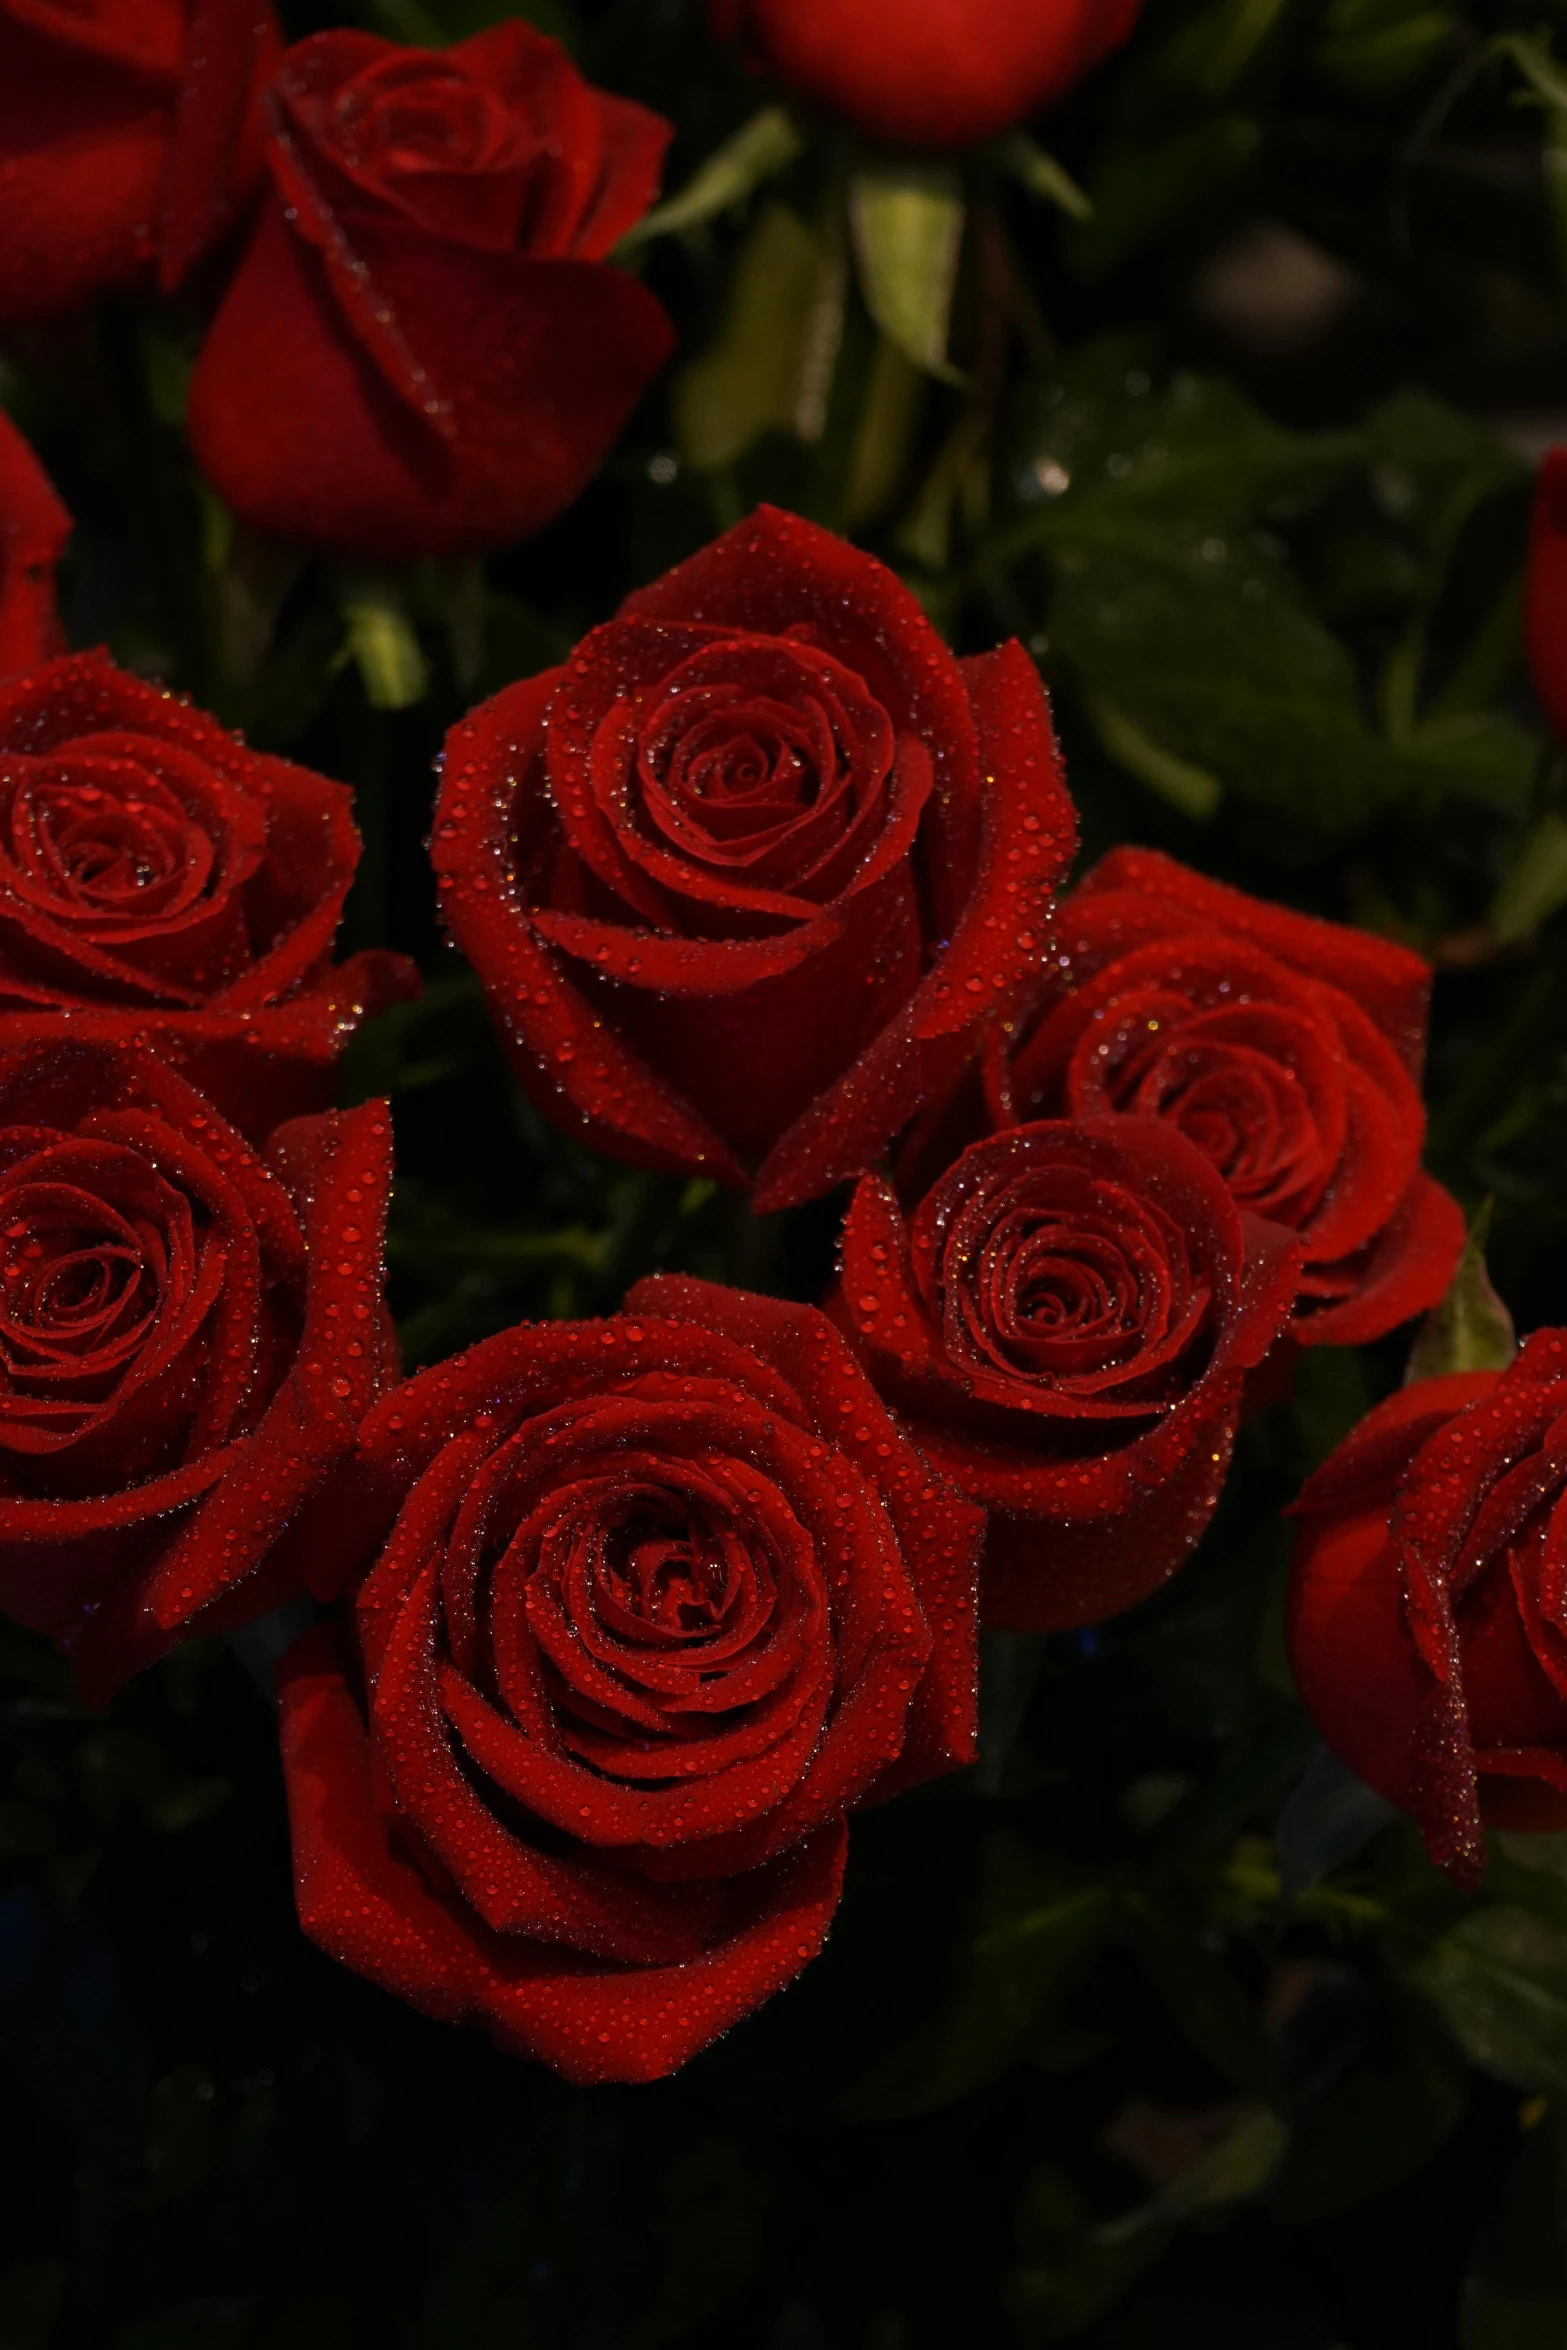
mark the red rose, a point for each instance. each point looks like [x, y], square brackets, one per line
[189, 1337]
[127, 138]
[423, 352]
[666, 1597]
[1545, 591]
[1428, 1601]
[928, 73]
[1173, 997]
[162, 884]
[743, 879]
[34, 527]
[1066, 1323]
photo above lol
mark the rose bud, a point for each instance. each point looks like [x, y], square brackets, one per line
[744, 878]
[1289, 1050]
[34, 527]
[162, 884]
[927, 73]
[1426, 1623]
[128, 141]
[424, 351]
[1545, 591]
[1065, 1324]
[189, 1337]
[665, 1598]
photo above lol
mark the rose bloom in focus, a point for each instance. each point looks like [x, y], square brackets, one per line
[34, 527]
[652, 1604]
[927, 73]
[1065, 1323]
[190, 1333]
[746, 877]
[1428, 1601]
[1287, 1049]
[162, 884]
[128, 141]
[425, 351]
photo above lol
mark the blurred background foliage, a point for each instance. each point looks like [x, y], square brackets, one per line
[1222, 390]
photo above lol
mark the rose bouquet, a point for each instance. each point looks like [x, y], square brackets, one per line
[783, 1297]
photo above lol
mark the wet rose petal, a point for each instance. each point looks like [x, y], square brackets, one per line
[642, 1608]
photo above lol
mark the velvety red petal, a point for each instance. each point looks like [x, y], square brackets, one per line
[776, 572]
[635, 144]
[534, 365]
[1374, 1455]
[83, 143]
[295, 900]
[1406, 1270]
[1049, 1574]
[1357, 1669]
[338, 1168]
[258, 1067]
[1390, 984]
[916, 76]
[939, 1533]
[362, 1901]
[214, 156]
[1027, 839]
[34, 527]
[566, 1057]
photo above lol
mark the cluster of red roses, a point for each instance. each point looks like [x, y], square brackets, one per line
[414, 344]
[623, 1618]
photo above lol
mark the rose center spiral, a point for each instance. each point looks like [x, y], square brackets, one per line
[411, 117]
[664, 1573]
[72, 1285]
[100, 838]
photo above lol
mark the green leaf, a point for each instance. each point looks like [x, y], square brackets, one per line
[1032, 1932]
[1375, 46]
[1499, 1978]
[1188, 628]
[780, 332]
[1193, 790]
[1198, 457]
[1329, 1817]
[1233, 2171]
[884, 436]
[1431, 463]
[1207, 56]
[1381, 2116]
[1069, 2273]
[1009, 1667]
[1144, 187]
[1531, 53]
[1535, 885]
[1209, 649]
[766, 145]
[906, 220]
[1037, 170]
[1485, 758]
[1331, 1393]
[1471, 1330]
[1206, 2001]
[382, 642]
